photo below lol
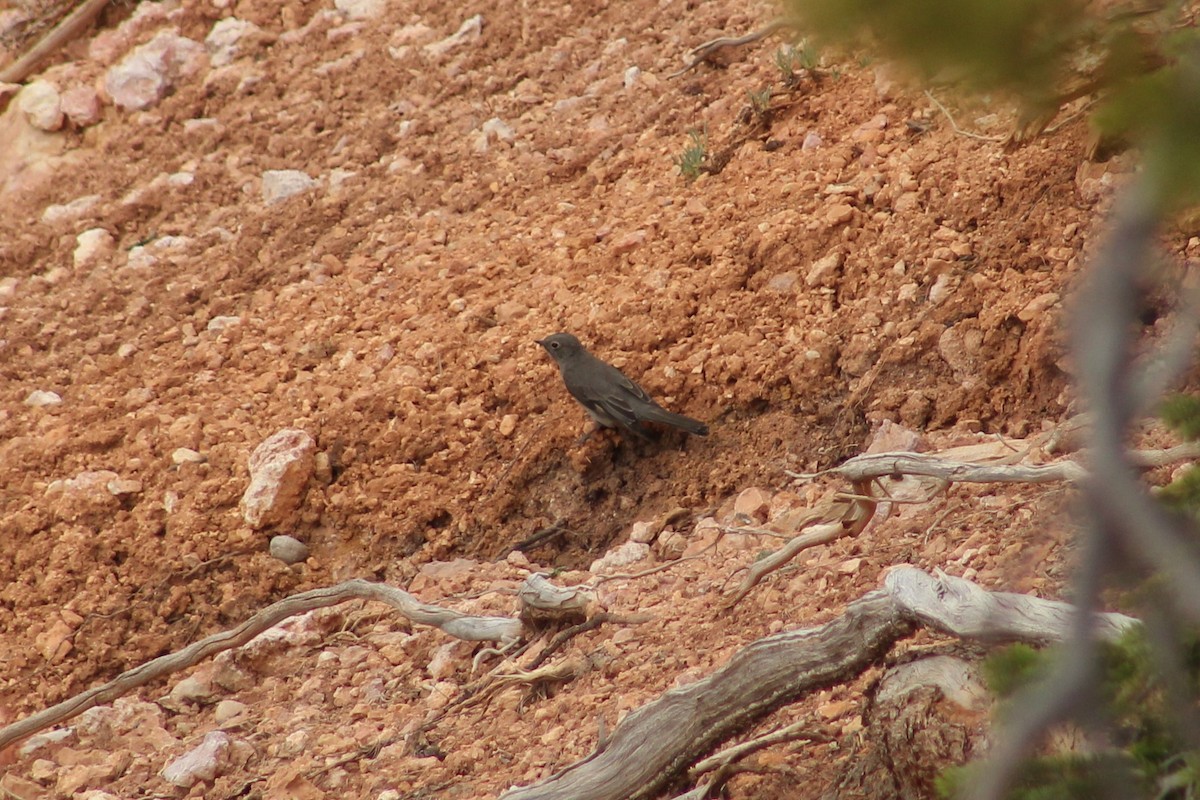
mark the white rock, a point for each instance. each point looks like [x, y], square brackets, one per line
[223, 322]
[631, 77]
[73, 210]
[186, 455]
[620, 556]
[41, 104]
[469, 31]
[227, 710]
[202, 763]
[280, 184]
[39, 398]
[120, 486]
[288, 549]
[142, 78]
[338, 176]
[92, 244]
[498, 128]
[360, 9]
[81, 104]
[280, 469]
[224, 40]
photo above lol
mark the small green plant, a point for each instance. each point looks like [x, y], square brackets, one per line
[791, 59]
[807, 56]
[760, 102]
[785, 61]
[1149, 757]
[692, 160]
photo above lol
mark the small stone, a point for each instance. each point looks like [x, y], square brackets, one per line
[838, 214]
[1037, 306]
[81, 104]
[850, 566]
[69, 212]
[202, 763]
[280, 184]
[55, 643]
[508, 424]
[227, 710]
[824, 271]
[92, 244]
[629, 241]
[280, 469]
[192, 689]
[643, 532]
[469, 31]
[753, 504]
[360, 9]
[620, 556]
[496, 128]
[943, 286]
[288, 549]
[186, 455]
[143, 77]
[784, 282]
[39, 398]
[224, 40]
[221, 323]
[630, 79]
[41, 104]
[122, 486]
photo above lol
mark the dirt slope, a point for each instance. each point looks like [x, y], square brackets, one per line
[856, 260]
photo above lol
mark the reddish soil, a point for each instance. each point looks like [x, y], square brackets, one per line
[890, 269]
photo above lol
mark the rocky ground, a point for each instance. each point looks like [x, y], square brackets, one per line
[225, 219]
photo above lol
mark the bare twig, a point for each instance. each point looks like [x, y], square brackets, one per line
[706, 51]
[953, 124]
[452, 622]
[71, 26]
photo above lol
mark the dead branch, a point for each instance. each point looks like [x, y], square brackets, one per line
[841, 517]
[462, 626]
[873, 466]
[659, 741]
[964, 609]
[654, 744]
[800, 731]
[708, 50]
[71, 26]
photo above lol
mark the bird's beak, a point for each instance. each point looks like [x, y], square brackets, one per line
[542, 342]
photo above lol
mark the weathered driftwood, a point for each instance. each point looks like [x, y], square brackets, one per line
[462, 626]
[873, 466]
[967, 610]
[66, 30]
[654, 745]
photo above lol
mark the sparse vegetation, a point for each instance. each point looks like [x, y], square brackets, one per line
[760, 102]
[693, 158]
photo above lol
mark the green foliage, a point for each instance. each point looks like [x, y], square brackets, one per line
[789, 57]
[1153, 760]
[760, 102]
[1008, 670]
[1066, 777]
[693, 158]
[1023, 44]
[1181, 412]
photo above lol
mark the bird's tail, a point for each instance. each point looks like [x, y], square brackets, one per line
[688, 424]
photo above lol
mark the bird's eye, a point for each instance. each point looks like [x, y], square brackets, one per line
[554, 345]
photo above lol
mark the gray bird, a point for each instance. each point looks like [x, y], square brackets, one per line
[610, 398]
